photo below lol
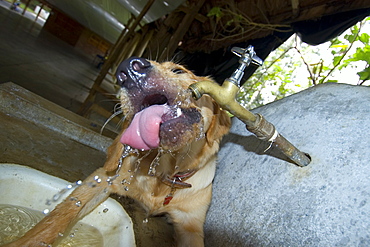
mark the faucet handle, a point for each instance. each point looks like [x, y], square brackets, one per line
[247, 55]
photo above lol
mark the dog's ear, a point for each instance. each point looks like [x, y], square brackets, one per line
[219, 126]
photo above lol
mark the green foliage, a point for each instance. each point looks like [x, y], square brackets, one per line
[216, 12]
[295, 66]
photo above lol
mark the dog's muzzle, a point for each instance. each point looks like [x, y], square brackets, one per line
[159, 109]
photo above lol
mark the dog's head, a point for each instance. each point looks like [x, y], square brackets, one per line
[160, 110]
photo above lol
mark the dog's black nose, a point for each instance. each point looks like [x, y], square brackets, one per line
[132, 71]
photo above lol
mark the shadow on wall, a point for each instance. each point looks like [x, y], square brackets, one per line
[231, 237]
[252, 144]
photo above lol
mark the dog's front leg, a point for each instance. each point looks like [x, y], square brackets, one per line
[189, 218]
[82, 201]
[189, 232]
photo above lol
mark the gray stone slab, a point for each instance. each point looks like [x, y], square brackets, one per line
[260, 199]
[40, 134]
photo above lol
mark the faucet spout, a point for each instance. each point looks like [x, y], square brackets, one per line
[225, 96]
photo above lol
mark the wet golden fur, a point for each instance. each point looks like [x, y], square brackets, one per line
[187, 209]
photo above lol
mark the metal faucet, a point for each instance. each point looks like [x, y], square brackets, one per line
[225, 96]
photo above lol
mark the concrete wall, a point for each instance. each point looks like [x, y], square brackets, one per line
[261, 200]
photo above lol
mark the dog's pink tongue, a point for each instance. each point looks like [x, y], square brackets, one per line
[143, 132]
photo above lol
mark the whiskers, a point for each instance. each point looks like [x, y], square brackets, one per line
[117, 111]
[121, 108]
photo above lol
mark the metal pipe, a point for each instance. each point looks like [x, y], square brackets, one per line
[225, 96]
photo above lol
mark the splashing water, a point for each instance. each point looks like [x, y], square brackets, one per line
[127, 150]
[15, 221]
[201, 133]
[127, 182]
[155, 163]
[57, 196]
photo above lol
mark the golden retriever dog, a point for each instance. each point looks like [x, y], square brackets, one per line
[165, 157]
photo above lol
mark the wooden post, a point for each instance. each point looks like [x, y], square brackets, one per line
[113, 57]
[26, 6]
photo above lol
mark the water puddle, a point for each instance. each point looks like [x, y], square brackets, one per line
[15, 221]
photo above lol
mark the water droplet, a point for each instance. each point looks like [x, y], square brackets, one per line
[72, 235]
[56, 197]
[125, 181]
[145, 220]
[60, 234]
[125, 188]
[79, 182]
[46, 211]
[105, 210]
[97, 179]
[78, 203]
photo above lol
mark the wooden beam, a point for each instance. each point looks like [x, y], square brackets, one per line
[181, 30]
[144, 43]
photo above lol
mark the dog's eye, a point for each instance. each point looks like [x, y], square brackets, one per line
[178, 71]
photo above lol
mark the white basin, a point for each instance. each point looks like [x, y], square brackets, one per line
[27, 187]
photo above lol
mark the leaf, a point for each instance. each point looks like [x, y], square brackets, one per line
[362, 54]
[215, 11]
[229, 22]
[328, 81]
[364, 38]
[335, 41]
[336, 60]
[364, 74]
[350, 37]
